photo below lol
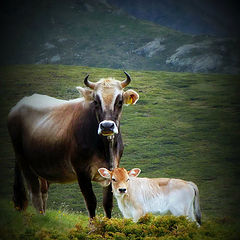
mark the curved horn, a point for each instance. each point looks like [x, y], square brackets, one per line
[127, 81]
[88, 83]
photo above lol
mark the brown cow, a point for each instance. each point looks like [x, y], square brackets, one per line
[63, 141]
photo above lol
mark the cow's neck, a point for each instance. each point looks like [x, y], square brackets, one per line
[89, 138]
[111, 153]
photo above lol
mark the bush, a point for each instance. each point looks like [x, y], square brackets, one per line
[148, 227]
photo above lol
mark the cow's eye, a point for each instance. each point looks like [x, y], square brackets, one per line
[96, 103]
[127, 180]
[114, 180]
[120, 103]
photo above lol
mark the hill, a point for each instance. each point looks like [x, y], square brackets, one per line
[190, 16]
[94, 33]
[184, 126]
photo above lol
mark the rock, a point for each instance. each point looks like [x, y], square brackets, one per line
[151, 48]
[48, 45]
[88, 7]
[198, 57]
[62, 40]
[55, 58]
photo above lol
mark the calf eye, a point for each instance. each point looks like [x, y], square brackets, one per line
[114, 180]
[127, 180]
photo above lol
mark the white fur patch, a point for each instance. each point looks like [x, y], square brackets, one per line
[115, 129]
[145, 196]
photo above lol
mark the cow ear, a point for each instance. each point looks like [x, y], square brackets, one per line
[104, 173]
[134, 172]
[86, 93]
[130, 97]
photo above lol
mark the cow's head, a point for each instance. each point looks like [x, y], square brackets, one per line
[120, 178]
[107, 98]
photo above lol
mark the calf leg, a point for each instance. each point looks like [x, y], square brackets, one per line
[190, 213]
[85, 185]
[137, 212]
[108, 200]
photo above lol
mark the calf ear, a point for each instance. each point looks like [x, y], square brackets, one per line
[130, 97]
[86, 93]
[134, 172]
[104, 173]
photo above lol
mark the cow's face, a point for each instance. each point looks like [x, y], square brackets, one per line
[107, 98]
[120, 179]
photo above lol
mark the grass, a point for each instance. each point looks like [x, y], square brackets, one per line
[61, 224]
[16, 225]
[184, 126]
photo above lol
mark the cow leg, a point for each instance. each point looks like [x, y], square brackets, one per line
[44, 192]
[108, 200]
[85, 185]
[19, 192]
[35, 189]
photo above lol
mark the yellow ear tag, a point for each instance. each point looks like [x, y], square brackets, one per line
[130, 100]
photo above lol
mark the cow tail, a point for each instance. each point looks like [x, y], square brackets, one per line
[196, 204]
[19, 191]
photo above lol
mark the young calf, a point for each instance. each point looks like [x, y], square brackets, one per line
[138, 196]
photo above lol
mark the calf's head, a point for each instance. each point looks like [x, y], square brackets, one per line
[107, 98]
[119, 178]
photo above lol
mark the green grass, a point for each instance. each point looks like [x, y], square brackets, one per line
[184, 126]
[61, 224]
[16, 225]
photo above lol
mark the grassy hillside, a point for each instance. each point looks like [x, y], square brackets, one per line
[94, 33]
[89, 33]
[184, 126]
[195, 17]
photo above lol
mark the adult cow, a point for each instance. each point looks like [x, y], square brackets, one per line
[63, 141]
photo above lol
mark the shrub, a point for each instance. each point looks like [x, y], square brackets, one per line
[167, 227]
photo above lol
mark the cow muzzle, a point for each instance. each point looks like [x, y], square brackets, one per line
[107, 128]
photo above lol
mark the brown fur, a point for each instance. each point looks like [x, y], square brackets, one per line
[61, 141]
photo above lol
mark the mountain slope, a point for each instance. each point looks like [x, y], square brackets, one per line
[183, 126]
[93, 33]
[219, 18]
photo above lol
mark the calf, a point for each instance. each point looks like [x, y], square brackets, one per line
[138, 196]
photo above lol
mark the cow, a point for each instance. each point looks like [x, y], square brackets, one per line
[61, 141]
[139, 196]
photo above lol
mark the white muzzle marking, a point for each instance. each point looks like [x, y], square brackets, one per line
[107, 128]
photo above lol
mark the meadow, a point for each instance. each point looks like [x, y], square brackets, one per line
[184, 126]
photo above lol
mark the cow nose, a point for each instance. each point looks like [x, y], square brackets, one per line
[122, 190]
[107, 126]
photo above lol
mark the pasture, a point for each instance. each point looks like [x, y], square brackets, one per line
[184, 126]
